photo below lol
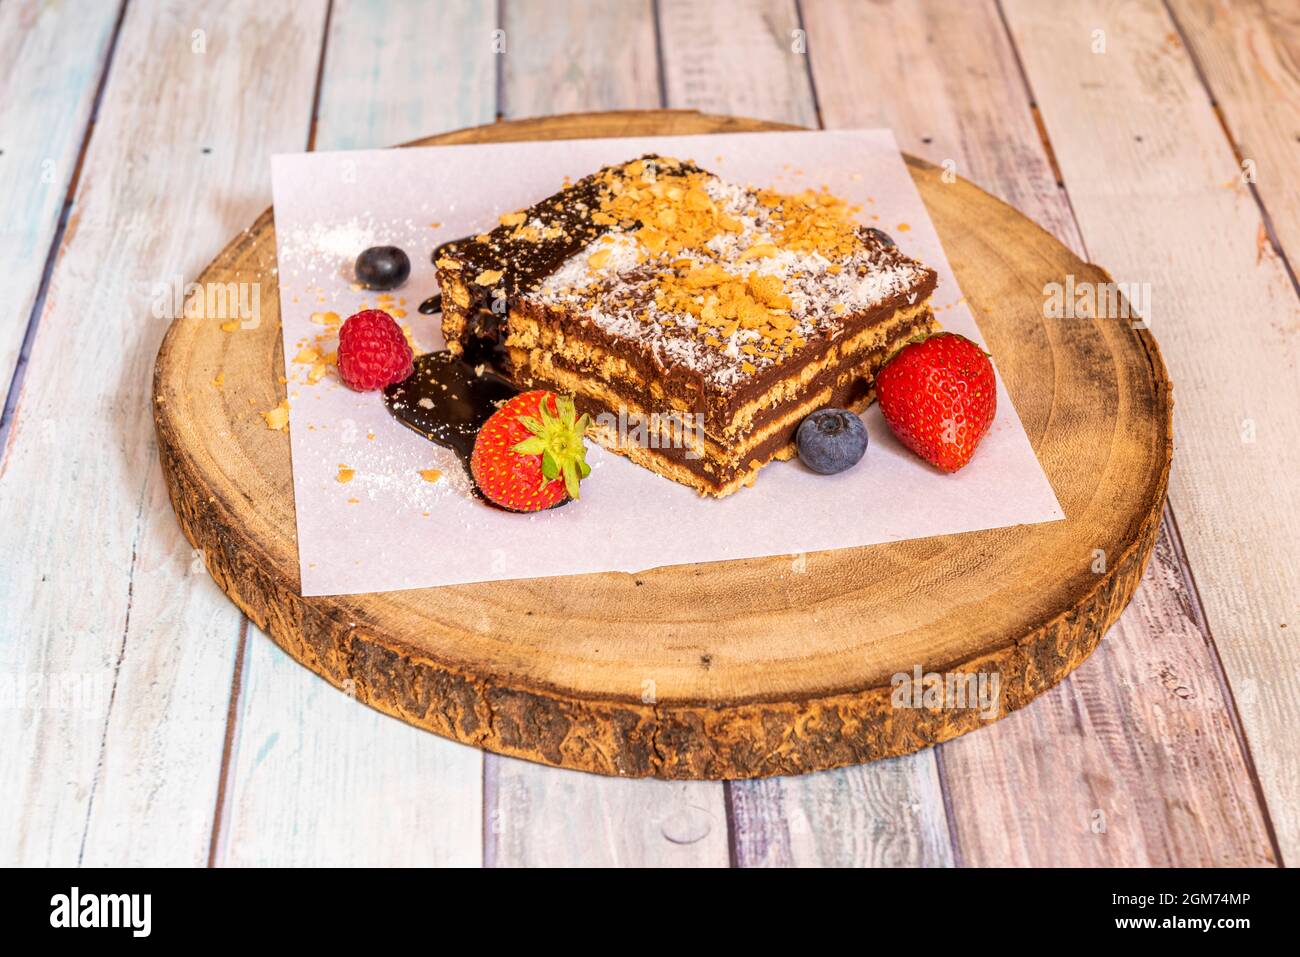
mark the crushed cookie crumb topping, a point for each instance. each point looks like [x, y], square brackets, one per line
[722, 279]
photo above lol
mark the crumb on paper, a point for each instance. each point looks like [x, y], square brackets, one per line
[431, 475]
[346, 474]
[277, 418]
[903, 227]
[353, 501]
[306, 356]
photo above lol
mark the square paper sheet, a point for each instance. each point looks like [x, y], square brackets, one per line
[388, 528]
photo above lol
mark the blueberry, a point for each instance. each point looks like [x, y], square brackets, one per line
[382, 267]
[831, 440]
[881, 236]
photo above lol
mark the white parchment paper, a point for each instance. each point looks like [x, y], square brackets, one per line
[389, 528]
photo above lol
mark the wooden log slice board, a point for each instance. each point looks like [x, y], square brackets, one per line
[722, 670]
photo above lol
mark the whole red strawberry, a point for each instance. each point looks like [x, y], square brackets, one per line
[939, 396]
[530, 454]
[373, 352]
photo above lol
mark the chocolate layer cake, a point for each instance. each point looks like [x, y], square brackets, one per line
[698, 321]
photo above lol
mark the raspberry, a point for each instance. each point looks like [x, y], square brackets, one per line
[373, 353]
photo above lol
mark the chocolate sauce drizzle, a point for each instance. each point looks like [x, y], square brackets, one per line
[447, 401]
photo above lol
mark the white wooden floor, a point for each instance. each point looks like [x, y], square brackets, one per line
[142, 721]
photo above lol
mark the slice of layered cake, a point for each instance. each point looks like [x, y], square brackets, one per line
[697, 321]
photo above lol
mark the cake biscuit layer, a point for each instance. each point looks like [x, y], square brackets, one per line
[541, 340]
[656, 289]
[710, 467]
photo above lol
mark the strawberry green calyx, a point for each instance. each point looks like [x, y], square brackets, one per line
[557, 438]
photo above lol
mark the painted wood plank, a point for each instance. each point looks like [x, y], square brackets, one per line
[748, 59]
[1147, 167]
[321, 780]
[391, 794]
[396, 70]
[105, 594]
[953, 96]
[52, 57]
[1103, 741]
[744, 59]
[1132, 762]
[578, 55]
[547, 817]
[596, 56]
[155, 792]
[886, 814]
[1249, 54]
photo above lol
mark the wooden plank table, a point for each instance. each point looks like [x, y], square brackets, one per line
[144, 721]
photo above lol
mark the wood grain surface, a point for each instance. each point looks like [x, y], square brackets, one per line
[962, 102]
[731, 699]
[1248, 53]
[99, 604]
[50, 68]
[1158, 194]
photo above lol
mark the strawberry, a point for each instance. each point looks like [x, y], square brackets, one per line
[530, 455]
[939, 396]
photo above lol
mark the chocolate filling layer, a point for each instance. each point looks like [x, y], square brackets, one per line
[855, 389]
[684, 389]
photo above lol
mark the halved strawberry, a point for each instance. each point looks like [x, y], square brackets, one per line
[530, 454]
